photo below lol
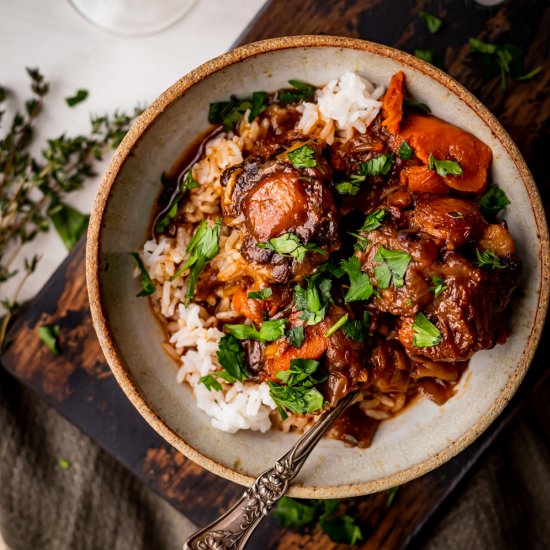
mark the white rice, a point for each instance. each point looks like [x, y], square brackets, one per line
[342, 107]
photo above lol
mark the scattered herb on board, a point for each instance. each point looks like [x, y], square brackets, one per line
[296, 336]
[505, 60]
[301, 91]
[489, 259]
[431, 21]
[77, 98]
[203, 247]
[313, 300]
[425, 333]
[269, 331]
[391, 496]
[405, 151]
[444, 167]
[425, 55]
[147, 285]
[64, 463]
[438, 287]
[297, 392]
[357, 330]
[261, 294]
[48, 334]
[392, 266]
[303, 157]
[34, 186]
[288, 244]
[292, 513]
[493, 201]
[360, 286]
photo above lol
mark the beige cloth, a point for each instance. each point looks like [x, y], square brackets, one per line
[97, 505]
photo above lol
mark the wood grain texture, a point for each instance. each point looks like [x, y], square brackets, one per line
[80, 385]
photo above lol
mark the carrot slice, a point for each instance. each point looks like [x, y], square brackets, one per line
[392, 104]
[427, 134]
[241, 304]
[420, 179]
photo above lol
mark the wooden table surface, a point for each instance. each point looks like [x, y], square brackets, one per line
[79, 384]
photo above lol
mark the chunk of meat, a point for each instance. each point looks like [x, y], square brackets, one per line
[496, 238]
[392, 104]
[266, 196]
[455, 221]
[390, 366]
[427, 134]
[420, 179]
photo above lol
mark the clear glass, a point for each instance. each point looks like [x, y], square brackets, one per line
[132, 17]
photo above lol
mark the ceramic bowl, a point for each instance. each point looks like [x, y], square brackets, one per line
[416, 441]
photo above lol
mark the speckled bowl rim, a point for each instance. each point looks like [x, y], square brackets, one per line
[124, 377]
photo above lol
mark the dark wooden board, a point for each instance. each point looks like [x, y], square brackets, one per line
[79, 384]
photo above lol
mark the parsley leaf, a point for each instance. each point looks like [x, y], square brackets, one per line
[301, 92]
[313, 300]
[77, 98]
[269, 331]
[258, 105]
[394, 265]
[288, 244]
[438, 286]
[391, 496]
[360, 287]
[417, 105]
[164, 220]
[431, 21]
[261, 294]
[405, 151]
[48, 334]
[489, 259]
[378, 166]
[373, 220]
[294, 513]
[201, 249]
[69, 223]
[342, 321]
[444, 167]
[296, 336]
[350, 187]
[210, 382]
[530, 74]
[342, 528]
[303, 157]
[493, 201]
[425, 333]
[147, 285]
[357, 330]
[425, 55]
[64, 463]
[231, 357]
[300, 373]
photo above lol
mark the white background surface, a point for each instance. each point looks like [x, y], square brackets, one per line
[118, 71]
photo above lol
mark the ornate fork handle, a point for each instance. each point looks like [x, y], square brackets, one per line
[233, 529]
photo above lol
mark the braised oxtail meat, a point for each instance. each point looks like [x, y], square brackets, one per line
[266, 197]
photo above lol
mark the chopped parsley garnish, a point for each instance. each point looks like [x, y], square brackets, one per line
[378, 166]
[340, 323]
[303, 157]
[393, 265]
[313, 300]
[342, 528]
[357, 330]
[210, 382]
[269, 331]
[261, 294]
[425, 55]
[493, 201]
[425, 333]
[147, 285]
[297, 394]
[391, 496]
[231, 358]
[69, 223]
[189, 182]
[201, 249]
[229, 113]
[405, 151]
[503, 59]
[64, 463]
[77, 98]
[431, 21]
[296, 513]
[417, 105]
[438, 286]
[48, 334]
[296, 336]
[360, 287]
[489, 259]
[288, 244]
[444, 167]
[373, 220]
[301, 92]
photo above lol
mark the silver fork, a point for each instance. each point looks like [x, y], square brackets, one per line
[233, 529]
